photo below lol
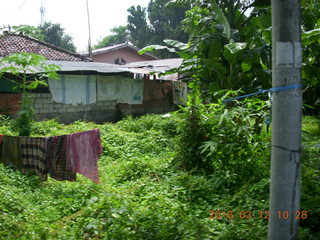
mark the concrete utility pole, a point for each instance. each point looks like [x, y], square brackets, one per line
[286, 121]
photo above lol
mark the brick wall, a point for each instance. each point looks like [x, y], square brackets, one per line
[9, 103]
[157, 97]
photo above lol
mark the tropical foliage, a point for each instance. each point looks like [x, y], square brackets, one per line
[227, 49]
[230, 47]
[311, 53]
[199, 173]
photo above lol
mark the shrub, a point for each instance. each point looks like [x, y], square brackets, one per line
[224, 141]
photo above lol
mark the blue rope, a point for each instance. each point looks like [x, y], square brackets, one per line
[271, 90]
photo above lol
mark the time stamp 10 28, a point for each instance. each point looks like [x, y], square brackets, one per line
[257, 215]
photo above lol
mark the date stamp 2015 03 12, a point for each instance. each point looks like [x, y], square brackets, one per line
[257, 215]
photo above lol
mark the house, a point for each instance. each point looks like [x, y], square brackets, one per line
[91, 91]
[77, 94]
[120, 54]
[160, 91]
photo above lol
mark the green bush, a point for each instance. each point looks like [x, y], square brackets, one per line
[224, 141]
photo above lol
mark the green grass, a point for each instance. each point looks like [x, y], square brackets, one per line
[311, 130]
[142, 195]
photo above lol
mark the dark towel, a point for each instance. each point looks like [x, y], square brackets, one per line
[11, 152]
[33, 154]
[56, 159]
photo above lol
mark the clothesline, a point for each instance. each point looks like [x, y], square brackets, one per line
[60, 157]
[261, 91]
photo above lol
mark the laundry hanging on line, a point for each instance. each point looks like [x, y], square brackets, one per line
[57, 159]
[60, 157]
[83, 149]
[120, 89]
[33, 156]
[71, 89]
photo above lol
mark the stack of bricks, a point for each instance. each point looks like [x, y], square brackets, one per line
[9, 103]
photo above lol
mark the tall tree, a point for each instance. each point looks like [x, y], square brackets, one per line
[165, 20]
[120, 35]
[55, 35]
[138, 27]
[161, 20]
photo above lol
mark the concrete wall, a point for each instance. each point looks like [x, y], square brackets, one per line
[45, 108]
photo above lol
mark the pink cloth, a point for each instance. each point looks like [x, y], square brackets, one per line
[83, 150]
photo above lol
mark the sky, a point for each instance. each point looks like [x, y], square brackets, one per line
[72, 15]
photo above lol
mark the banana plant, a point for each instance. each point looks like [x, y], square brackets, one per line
[226, 48]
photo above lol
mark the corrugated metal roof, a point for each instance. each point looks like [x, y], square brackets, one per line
[76, 66]
[158, 66]
[68, 66]
[145, 67]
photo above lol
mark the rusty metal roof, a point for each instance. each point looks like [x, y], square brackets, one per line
[18, 43]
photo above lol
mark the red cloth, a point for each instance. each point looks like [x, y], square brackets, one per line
[1, 136]
[83, 150]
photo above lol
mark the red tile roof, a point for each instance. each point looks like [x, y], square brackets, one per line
[17, 43]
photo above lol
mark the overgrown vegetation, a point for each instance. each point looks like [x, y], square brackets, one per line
[145, 193]
[203, 172]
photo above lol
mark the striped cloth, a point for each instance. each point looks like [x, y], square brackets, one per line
[33, 155]
[57, 159]
[11, 152]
